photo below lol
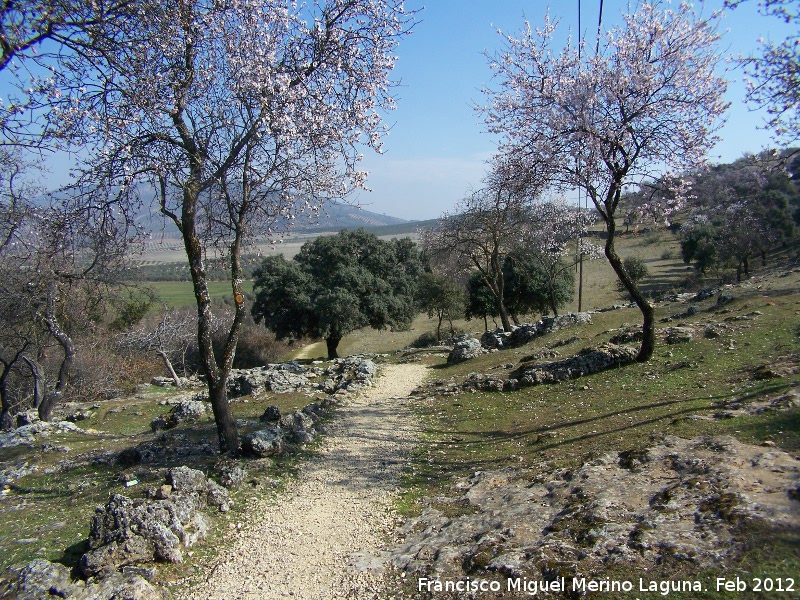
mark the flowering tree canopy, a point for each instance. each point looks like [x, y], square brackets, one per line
[237, 112]
[485, 227]
[549, 240]
[647, 102]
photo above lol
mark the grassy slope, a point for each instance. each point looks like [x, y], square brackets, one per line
[541, 428]
[48, 515]
[568, 424]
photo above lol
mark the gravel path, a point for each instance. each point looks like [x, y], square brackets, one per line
[316, 542]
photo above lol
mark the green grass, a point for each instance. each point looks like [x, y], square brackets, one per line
[565, 425]
[179, 294]
[47, 515]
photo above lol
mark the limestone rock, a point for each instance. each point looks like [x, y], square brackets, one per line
[465, 348]
[127, 532]
[494, 339]
[272, 414]
[587, 361]
[186, 411]
[264, 442]
[523, 334]
[678, 335]
[299, 427]
[39, 579]
[284, 382]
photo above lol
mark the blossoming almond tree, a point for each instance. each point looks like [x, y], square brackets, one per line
[239, 113]
[554, 230]
[647, 102]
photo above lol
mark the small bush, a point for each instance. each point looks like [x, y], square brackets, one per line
[636, 269]
[667, 254]
[426, 340]
[258, 347]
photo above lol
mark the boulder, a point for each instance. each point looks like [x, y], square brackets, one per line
[523, 334]
[231, 475]
[366, 371]
[494, 339]
[587, 361]
[272, 414]
[678, 335]
[724, 298]
[39, 579]
[190, 410]
[465, 348]
[121, 586]
[127, 532]
[186, 411]
[264, 442]
[299, 427]
[42, 579]
[285, 381]
[328, 386]
[186, 480]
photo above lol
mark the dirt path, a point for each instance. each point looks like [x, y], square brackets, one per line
[312, 350]
[315, 542]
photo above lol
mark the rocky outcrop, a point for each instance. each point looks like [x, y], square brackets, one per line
[343, 374]
[587, 361]
[187, 411]
[42, 579]
[682, 500]
[279, 378]
[527, 332]
[465, 347]
[352, 374]
[127, 531]
[282, 431]
[35, 432]
[264, 442]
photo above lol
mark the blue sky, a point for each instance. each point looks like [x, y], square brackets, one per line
[437, 147]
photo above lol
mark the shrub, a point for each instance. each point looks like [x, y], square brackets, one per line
[426, 340]
[636, 269]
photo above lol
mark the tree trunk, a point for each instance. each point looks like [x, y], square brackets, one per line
[500, 296]
[551, 294]
[48, 404]
[332, 343]
[648, 313]
[39, 382]
[438, 329]
[175, 379]
[6, 422]
[227, 431]
[61, 336]
[506, 322]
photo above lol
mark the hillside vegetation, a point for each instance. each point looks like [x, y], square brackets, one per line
[725, 381]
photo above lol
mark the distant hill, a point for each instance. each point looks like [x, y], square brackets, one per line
[343, 216]
[333, 217]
